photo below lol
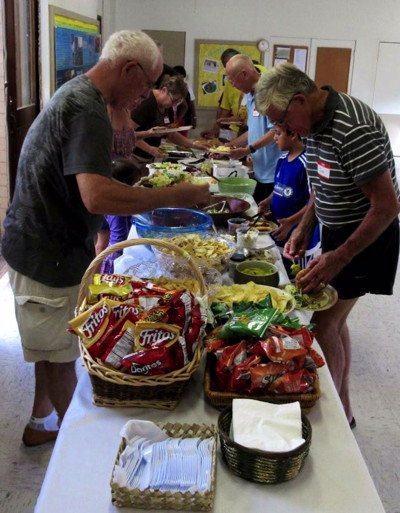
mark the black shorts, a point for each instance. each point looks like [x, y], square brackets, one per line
[371, 271]
[262, 191]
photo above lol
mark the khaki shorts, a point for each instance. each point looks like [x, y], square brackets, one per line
[42, 315]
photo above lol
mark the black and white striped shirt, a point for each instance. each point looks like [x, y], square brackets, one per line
[349, 148]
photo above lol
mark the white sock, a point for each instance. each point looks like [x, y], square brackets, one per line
[49, 423]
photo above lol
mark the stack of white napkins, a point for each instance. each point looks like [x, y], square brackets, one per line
[265, 426]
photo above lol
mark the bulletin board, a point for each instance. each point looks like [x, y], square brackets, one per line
[296, 55]
[75, 45]
[209, 76]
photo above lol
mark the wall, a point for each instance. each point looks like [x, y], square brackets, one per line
[88, 8]
[366, 21]
[3, 140]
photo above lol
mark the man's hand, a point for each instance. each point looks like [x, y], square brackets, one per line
[322, 269]
[189, 195]
[296, 246]
[239, 153]
[156, 153]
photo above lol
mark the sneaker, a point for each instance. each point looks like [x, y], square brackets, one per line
[33, 437]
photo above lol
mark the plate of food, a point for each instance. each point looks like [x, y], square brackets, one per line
[265, 226]
[236, 123]
[167, 130]
[165, 166]
[251, 291]
[221, 149]
[315, 301]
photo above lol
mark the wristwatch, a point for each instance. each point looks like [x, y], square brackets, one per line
[252, 149]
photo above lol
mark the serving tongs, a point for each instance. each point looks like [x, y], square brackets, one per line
[257, 217]
[215, 205]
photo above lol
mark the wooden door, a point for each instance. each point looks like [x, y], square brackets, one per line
[22, 82]
[331, 63]
[333, 68]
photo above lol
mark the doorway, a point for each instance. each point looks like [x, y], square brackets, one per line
[173, 43]
[22, 77]
[331, 62]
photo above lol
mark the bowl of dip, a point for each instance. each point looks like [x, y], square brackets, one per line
[257, 271]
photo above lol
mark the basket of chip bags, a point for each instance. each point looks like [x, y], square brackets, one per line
[256, 350]
[140, 342]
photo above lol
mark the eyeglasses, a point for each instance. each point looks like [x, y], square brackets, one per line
[175, 101]
[150, 83]
[282, 121]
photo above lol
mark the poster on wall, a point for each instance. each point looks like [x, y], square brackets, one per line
[209, 71]
[76, 45]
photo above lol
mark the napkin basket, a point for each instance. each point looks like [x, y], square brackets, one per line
[113, 388]
[221, 400]
[262, 466]
[147, 499]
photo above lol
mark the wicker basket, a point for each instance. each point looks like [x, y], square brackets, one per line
[147, 499]
[221, 400]
[113, 388]
[261, 466]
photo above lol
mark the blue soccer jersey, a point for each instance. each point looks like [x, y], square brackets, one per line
[291, 193]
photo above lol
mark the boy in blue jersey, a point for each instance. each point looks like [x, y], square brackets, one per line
[291, 193]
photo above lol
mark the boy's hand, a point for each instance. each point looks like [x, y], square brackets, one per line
[283, 229]
[263, 206]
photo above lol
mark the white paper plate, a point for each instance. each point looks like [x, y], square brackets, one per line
[171, 130]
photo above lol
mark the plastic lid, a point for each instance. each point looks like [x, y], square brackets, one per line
[238, 257]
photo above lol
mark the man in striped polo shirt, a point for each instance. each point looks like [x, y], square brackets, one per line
[355, 197]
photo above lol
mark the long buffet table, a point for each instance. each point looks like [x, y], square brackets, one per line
[334, 479]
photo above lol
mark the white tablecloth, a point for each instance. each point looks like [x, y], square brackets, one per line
[334, 478]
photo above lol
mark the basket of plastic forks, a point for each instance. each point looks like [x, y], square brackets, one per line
[130, 492]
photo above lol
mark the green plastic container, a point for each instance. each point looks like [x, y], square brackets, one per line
[232, 185]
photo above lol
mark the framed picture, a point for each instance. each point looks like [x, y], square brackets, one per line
[75, 45]
[209, 73]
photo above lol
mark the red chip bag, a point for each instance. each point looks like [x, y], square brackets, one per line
[316, 357]
[294, 382]
[121, 345]
[240, 377]
[282, 349]
[212, 341]
[227, 358]
[303, 336]
[152, 362]
[262, 375]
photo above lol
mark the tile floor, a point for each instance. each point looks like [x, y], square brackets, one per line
[375, 327]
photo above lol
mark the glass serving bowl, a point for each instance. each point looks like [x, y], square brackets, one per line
[169, 222]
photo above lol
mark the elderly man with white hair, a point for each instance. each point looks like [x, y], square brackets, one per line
[64, 185]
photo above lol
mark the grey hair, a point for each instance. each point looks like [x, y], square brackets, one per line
[175, 85]
[128, 45]
[277, 87]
